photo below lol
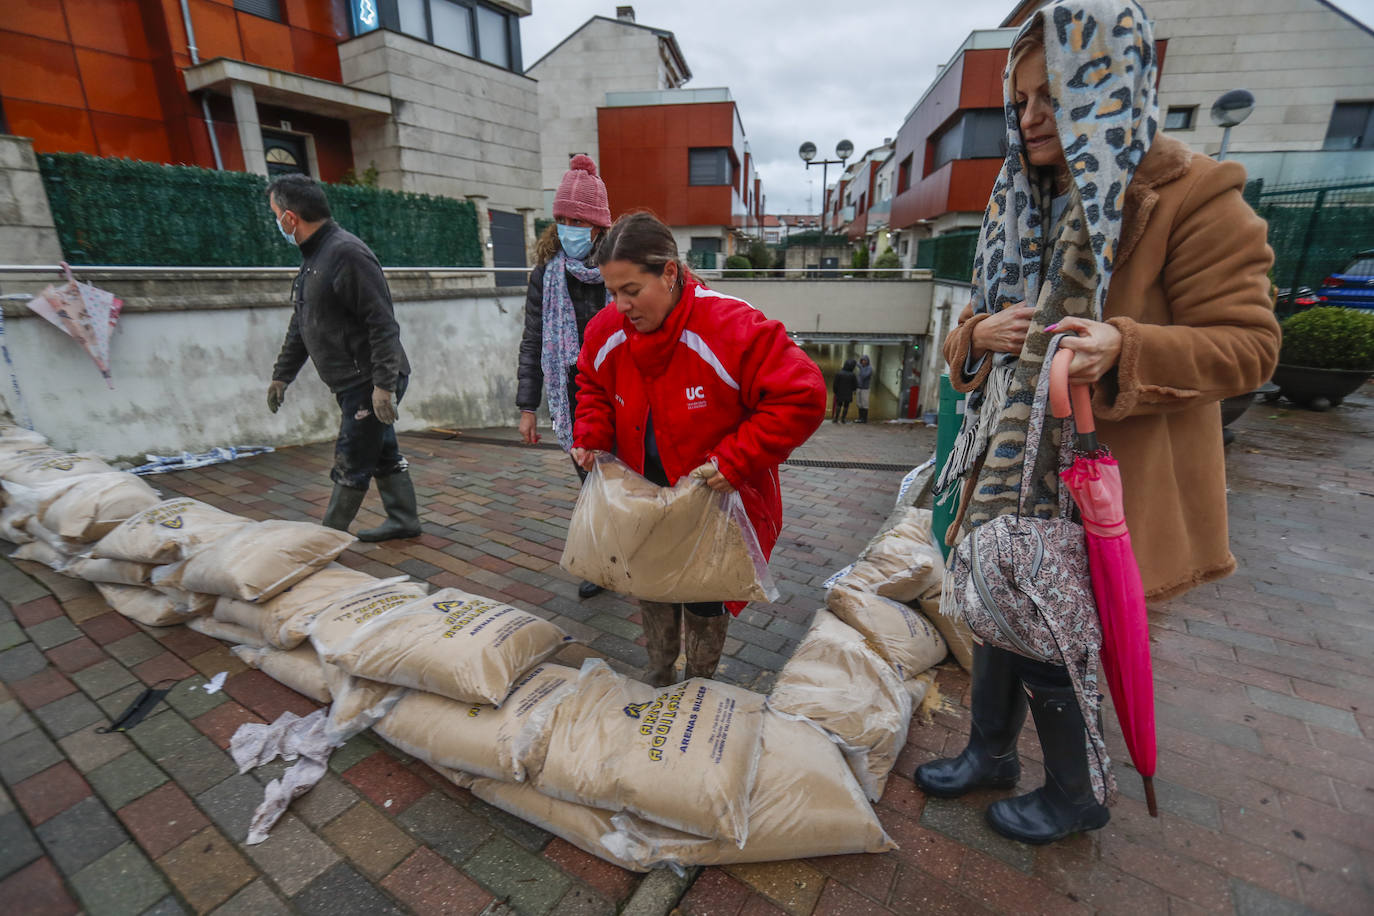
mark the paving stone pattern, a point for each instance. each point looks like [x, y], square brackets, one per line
[1264, 681]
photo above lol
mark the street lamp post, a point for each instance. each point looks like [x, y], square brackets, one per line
[843, 150]
[1229, 110]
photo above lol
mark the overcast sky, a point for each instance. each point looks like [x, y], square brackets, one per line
[819, 70]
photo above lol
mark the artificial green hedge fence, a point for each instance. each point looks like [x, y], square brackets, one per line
[126, 212]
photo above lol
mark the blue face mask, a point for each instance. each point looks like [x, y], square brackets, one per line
[576, 241]
[291, 239]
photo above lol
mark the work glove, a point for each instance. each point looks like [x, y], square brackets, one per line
[713, 478]
[383, 406]
[276, 395]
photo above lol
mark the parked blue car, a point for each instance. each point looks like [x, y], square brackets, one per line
[1353, 287]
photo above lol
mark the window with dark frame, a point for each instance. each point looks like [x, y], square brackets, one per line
[1351, 127]
[904, 175]
[1180, 117]
[978, 133]
[267, 9]
[708, 166]
[466, 27]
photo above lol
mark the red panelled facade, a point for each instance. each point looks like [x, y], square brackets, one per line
[104, 76]
[644, 157]
[973, 80]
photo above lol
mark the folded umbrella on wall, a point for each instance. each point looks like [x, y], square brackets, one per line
[83, 312]
[1094, 480]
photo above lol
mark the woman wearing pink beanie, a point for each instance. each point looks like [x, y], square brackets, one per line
[565, 292]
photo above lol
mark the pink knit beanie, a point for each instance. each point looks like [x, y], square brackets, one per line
[582, 194]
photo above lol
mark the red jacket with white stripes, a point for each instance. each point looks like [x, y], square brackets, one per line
[724, 384]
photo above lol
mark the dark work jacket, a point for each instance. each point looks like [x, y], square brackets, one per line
[587, 299]
[865, 376]
[844, 384]
[342, 317]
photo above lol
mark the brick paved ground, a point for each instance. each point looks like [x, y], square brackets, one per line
[1265, 700]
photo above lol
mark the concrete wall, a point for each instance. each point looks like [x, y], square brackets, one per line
[27, 235]
[191, 360]
[947, 301]
[603, 56]
[839, 306]
[1298, 57]
[459, 126]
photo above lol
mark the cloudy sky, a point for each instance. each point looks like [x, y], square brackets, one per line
[819, 70]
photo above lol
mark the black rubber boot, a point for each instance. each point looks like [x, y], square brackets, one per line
[863, 414]
[343, 507]
[589, 589]
[704, 643]
[402, 515]
[1065, 804]
[999, 710]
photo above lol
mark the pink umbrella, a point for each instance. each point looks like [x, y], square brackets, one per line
[1095, 482]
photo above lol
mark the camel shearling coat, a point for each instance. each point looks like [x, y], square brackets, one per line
[1190, 296]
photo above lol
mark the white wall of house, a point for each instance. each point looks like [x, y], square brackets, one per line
[191, 374]
[603, 56]
[459, 126]
[1299, 57]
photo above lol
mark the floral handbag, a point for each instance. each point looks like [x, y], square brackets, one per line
[1023, 584]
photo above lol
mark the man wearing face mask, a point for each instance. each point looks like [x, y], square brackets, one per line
[565, 292]
[343, 321]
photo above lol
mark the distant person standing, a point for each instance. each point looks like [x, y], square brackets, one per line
[865, 376]
[843, 387]
[343, 321]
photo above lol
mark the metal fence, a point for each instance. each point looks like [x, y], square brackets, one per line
[123, 212]
[948, 256]
[1314, 229]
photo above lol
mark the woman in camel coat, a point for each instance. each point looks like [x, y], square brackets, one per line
[1190, 300]
[1147, 256]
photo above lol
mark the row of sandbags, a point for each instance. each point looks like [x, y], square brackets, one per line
[700, 773]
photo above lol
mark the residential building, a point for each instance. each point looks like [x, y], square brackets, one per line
[950, 147]
[1309, 64]
[861, 189]
[430, 93]
[602, 55]
[682, 154]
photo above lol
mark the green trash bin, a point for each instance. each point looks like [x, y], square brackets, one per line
[951, 417]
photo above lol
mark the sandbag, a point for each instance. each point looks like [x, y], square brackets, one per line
[18, 437]
[956, 633]
[358, 702]
[38, 551]
[902, 636]
[476, 738]
[40, 465]
[901, 562]
[580, 825]
[258, 560]
[167, 532]
[836, 681]
[94, 505]
[146, 605]
[115, 572]
[683, 756]
[284, 621]
[804, 803]
[461, 646]
[680, 543]
[226, 632]
[188, 603]
[298, 669]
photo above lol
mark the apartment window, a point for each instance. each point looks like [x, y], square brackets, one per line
[1180, 117]
[267, 9]
[467, 27]
[978, 134]
[709, 166]
[904, 175]
[1352, 126]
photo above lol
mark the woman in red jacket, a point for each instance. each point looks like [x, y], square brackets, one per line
[677, 377]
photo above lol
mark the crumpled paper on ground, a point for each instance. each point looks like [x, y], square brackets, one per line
[291, 738]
